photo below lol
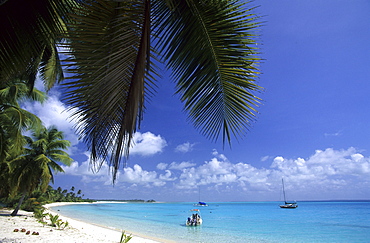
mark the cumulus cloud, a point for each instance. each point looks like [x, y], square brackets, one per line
[180, 166]
[185, 147]
[162, 166]
[328, 172]
[147, 144]
[135, 175]
[88, 173]
[325, 169]
[54, 112]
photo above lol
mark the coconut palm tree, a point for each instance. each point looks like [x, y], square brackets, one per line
[34, 169]
[4, 180]
[13, 119]
[113, 48]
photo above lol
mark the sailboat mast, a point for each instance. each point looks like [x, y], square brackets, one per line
[282, 180]
[199, 193]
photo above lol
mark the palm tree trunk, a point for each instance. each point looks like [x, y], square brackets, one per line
[15, 212]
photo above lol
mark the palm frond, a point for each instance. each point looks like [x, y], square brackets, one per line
[50, 67]
[110, 58]
[211, 48]
[29, 33]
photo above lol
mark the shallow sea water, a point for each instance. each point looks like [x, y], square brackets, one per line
[234, 221]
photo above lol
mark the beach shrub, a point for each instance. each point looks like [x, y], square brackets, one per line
[56, 222]
[61, 224]
[39, 214]
[125, 238]
[53, 219]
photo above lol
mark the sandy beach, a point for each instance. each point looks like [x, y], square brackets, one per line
[77, 231]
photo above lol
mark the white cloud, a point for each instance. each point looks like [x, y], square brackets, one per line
[185, 147]
[265, 158]
[336, 134]
[326, 173]
[132, 175]
[162, 166]
[146, 144]
[137, 175]
[167, 176]
[180, 166]
[325, 169]
[88, 173]
[54, 112]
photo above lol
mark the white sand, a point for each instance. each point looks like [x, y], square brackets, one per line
[77, 231]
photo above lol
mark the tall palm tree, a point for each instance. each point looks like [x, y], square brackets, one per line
[4, 180]
[35, 167]
[13, 119]
[210, 46]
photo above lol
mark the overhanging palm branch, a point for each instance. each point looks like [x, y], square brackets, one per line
[110, 55]
[211, 48]
[209, 45]
[29, 32]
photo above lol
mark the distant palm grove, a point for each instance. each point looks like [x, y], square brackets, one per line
[38, 198]
[113, 51]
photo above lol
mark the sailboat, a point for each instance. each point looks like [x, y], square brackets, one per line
[287, 204]
[200, 203]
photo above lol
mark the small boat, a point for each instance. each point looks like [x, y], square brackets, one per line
[194, 218]
[287, 204]
[201, 204]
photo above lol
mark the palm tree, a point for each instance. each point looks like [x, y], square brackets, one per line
[35, 167]
[112, 47]
[4, 180]
[13, 119]
[59, 190]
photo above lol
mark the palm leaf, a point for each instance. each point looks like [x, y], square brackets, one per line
[110, 79]
[29, 33]
[210, 47]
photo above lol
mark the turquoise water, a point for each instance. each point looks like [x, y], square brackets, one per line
[234, 222]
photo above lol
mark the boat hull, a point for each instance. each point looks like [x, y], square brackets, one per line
[289, 206]
[194, 218]
[190, 223]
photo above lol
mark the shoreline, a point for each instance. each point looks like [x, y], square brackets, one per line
[77, 231]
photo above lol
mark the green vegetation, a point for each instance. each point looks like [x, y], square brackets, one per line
[27, 163]
[34, 166]
[38, 198]
[54, 220]
[125, 238]
[112, 50]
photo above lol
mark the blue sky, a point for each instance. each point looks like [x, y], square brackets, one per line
[313, 127]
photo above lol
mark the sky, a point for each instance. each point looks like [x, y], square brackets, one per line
[313, 126]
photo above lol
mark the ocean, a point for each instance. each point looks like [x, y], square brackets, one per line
[233, 221]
